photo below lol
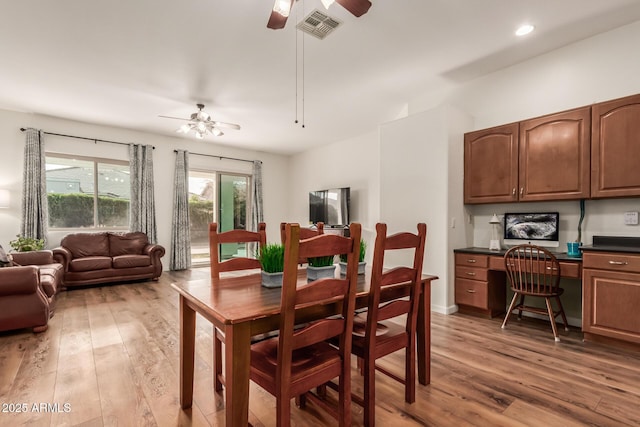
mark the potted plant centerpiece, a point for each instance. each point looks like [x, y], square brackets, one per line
[272, 262]
[320, 267]
[361, 263]
[26, 244]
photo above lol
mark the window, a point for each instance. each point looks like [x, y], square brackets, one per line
[221, 197]
[84, 192]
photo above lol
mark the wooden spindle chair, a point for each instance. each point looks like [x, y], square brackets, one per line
[534, 271]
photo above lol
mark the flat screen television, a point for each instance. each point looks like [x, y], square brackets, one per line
[540, 228]
[330, 206]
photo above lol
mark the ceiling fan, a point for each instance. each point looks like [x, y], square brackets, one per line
[202, 124]
[281, 9]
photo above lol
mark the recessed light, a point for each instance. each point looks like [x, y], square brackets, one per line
[525, 29]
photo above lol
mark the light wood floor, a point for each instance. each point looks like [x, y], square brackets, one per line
[111, 356]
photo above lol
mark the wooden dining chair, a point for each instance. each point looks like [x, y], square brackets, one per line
[305, 233]
[300, 358]
[382, 329]
[233, 264]
[534, 271]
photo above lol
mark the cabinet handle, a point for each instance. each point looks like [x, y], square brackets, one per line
[552, 268]
[471, 291]
[469, 273]
[618, 262]
[521, 191]
[513, 192]
[472, 261]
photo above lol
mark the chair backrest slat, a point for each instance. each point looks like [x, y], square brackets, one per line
[317, 293]
[305, 233]
[409, 276]
[234, 236]
[532, 270]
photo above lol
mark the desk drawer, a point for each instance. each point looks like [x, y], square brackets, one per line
[613, 261]
[473, 273]
[567, 269]
[472, 293]
[481, 261]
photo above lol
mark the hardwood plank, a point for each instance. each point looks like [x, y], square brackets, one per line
[112, 353]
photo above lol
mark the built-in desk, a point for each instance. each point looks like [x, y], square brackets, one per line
[480, 281]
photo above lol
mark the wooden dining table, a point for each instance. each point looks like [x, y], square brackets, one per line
[238, 305]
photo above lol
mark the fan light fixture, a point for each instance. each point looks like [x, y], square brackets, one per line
[327, 3]
[283, 7]
[202, 124]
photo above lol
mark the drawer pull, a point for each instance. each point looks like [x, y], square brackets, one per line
[618, 262]
[471, 260]
[470, 273]
[552, 268]
[471, 291]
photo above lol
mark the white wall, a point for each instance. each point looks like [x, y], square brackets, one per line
[352, 163]
[275, 167]
[597, 69]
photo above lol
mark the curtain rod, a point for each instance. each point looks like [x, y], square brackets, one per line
[221, 157]
[95, 140]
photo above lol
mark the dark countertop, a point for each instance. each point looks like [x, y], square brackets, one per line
[560, 256]
[613, 244]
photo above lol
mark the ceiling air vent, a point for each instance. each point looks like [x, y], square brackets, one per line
[318, 24]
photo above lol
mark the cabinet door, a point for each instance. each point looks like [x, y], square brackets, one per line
[554, 156]
[615, 148]
[491, 165]
[610, 304]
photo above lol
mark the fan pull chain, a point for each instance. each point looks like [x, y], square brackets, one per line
[296, 36]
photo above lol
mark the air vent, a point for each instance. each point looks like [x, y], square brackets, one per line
[318, 24]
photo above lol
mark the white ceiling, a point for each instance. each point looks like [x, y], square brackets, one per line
[124, 62]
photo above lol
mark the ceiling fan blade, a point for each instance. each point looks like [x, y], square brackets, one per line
[276, 21]
[174, 118]
[226, 125]
[356, 7]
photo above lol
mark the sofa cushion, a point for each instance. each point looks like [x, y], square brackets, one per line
[50, 277]
[127, 261]
[127, 243]
[89, 263]
[86, 244]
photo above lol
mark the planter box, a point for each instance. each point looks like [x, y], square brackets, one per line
[272, 280]
[361, 267]
[315, 273]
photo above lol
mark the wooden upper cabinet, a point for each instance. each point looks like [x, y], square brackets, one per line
[615, 148]
[554, 156]
[491, 165]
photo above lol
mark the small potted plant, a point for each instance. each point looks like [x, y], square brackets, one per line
[272, 261]
[26, 244]
[361, 263]
[320, 267]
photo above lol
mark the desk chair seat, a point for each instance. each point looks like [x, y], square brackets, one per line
[535, 272]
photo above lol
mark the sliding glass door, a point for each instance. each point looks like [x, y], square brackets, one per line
[221, 197]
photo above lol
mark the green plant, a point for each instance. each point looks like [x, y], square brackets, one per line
[272, 258]
[321, 261]
[26, 244]
[363, 251]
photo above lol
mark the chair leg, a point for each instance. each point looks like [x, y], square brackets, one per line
[217, 361]
[369, 392]
[283, 411]
[521, 304]
[552, 319]
[564, 317]
[410, 374]
[506, 317]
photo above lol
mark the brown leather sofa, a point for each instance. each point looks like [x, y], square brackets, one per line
[108, 257]
[27, 291]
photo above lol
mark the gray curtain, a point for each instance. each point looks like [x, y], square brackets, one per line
[256, 195]
[180, 235]
[143, 207]
[35, 215]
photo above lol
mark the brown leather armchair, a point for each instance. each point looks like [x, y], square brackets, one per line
[23, 303]
[50, 271]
